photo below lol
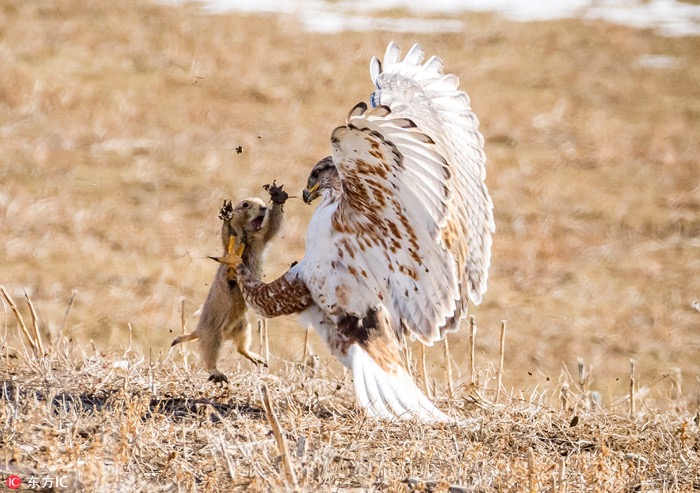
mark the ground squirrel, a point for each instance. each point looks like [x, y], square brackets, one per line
[252, 224]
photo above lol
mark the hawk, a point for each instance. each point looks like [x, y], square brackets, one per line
[401, 239]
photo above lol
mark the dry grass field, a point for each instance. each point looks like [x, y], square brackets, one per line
[119, 129]
[148, 426]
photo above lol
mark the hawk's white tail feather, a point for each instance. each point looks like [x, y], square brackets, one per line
[390, 396]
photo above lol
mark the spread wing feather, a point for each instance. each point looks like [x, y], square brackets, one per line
[414, 201]
[394, 206]
[433, 101]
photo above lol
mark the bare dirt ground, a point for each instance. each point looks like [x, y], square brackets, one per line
[120, 126]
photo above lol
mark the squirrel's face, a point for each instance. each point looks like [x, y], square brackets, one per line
[249, 215]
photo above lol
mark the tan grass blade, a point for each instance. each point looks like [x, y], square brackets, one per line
[448, 369]
[267, 341]
[564, 396]
[501, 360]
[676, 384]
[279, 436]
[306, 346]
[531, 472]
[62, 326]
[632, 383]
[35, 324]
[20, 320]
[229, 465]
[424, 372]
[472, 336]
[562, 474]
[260, 337]
[182, 314]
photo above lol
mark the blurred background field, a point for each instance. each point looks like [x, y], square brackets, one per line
[120, 130]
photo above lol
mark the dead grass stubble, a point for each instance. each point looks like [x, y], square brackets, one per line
[127, 422]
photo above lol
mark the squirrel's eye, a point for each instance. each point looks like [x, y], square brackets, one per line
[246, 205]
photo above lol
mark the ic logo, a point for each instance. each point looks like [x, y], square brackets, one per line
[13, 482]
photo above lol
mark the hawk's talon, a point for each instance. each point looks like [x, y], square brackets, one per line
[234, 253]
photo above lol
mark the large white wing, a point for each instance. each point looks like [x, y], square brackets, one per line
[415, 211]
[389, 218]
[432, 100]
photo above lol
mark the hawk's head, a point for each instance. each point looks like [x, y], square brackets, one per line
[324, 177]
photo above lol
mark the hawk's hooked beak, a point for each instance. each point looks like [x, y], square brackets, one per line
[310, 194]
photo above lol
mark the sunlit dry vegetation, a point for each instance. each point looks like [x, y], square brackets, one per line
[130, 423]
[120, 130]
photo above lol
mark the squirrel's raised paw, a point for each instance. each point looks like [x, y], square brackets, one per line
[277, 195]
[226, 211]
